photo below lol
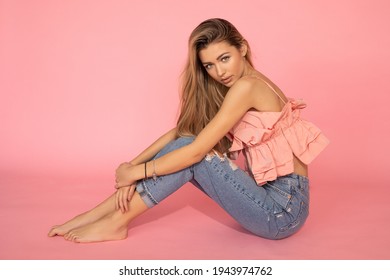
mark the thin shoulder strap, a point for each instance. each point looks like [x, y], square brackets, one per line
[273, 90]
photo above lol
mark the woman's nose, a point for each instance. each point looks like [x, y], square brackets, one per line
[220, 70]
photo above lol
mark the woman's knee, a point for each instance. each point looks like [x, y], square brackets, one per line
[176, 144]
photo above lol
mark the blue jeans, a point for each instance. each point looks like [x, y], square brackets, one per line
[275, 210]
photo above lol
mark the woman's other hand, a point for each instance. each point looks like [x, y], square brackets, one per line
[122, 175]
[122, 197]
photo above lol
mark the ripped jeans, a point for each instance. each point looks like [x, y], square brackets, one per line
[275, 210]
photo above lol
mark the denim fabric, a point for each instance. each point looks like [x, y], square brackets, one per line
[275, 210]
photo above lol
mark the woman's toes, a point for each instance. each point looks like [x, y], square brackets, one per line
[71, 236]
[67, 236]
[53, 231]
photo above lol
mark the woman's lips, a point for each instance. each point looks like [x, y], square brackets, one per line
[227, 80]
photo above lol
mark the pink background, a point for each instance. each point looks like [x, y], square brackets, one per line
[86, 85]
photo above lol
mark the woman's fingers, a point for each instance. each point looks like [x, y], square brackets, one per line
[121, 200]
[122, 197]
[117, 200]
[131, 192]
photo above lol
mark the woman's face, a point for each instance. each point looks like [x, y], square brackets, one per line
[223, 62]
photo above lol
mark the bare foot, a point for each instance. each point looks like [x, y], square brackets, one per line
[76, 222]
[101, 210]
[56, 230]
[110, 227]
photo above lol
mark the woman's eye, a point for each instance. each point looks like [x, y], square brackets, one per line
[225, 58]
[207, 66]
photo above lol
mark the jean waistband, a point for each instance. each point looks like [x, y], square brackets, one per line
[302, 179]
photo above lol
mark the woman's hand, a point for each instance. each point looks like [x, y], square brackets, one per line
[123, 175]
[123, 196]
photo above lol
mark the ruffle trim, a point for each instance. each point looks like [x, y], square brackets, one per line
[269, 150]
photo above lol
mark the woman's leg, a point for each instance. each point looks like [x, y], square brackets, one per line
[220, 179]
[256, 208]
[275, 210]
[101, 210]
[229, 186]
[113, 226]
[105, 223]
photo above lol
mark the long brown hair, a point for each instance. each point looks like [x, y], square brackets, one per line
[201, 95]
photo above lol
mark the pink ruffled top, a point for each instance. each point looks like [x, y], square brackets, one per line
[270, 139]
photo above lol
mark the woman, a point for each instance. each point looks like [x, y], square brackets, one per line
[227, 106]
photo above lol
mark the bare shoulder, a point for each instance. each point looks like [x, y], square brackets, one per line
[254, 83]
[249, 91]
[267, 96]
[244, 87]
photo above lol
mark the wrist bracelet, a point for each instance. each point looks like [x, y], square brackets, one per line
[146, 174]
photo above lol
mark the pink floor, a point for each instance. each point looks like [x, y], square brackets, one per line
[345, 223]
[86, 85]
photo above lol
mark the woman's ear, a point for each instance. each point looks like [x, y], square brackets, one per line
[244, 49]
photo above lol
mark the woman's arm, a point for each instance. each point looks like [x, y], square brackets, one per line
[154, 148]
[238, 101]
[123, 195]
